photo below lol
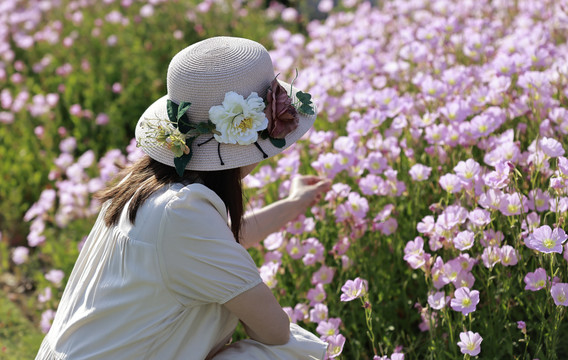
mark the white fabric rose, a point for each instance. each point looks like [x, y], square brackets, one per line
[239, 120]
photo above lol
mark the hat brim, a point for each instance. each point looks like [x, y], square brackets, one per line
[211, 155]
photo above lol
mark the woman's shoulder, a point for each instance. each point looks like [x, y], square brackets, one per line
[197, 198]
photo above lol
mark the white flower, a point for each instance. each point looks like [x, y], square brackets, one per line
[239, 120]
[163, 133]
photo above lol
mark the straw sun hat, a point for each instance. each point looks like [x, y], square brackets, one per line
[218, 112]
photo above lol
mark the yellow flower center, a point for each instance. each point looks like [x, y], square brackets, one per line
[245, 124]
[466, 302]
[548, 243]
[513, 208]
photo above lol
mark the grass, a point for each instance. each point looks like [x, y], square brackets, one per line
[19, 338]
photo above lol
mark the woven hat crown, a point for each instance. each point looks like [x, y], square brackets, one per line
[203, 72]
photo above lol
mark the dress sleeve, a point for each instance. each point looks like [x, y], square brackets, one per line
[200, 260]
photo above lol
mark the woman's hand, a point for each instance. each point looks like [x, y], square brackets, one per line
[307, 190]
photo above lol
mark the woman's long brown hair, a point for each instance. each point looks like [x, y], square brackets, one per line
[146, 176]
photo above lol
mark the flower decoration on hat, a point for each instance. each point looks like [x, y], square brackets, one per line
[235, 121]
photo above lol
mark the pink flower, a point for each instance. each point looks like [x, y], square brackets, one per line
[559, 292]
[323, 276]
[426, 226]
[268, 274]
[273, 241]
[465, 300]
[470, 343]
[420, 172]
[371, 184]
[551, 147]
[438, 300]
[499, 178]
[357, 205]
[353, 289]
[535, 280]
[301, 311]
[451, 183]
[546, 240]
[467, 170]
[479, 217]
[318, 313]
[313, 251]
[45, 295]
[538, 200]
[20, 255]
[55, 277]
[329, 327]
[464, 240]
[301, 225]
[46, 318]
[316, 295]
[295, 249]
[508, 255]
[511, 204]
[335, 347]
[491, 256]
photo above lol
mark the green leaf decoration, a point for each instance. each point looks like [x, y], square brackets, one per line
[306, 100]
[183, 124]
[279, 143]
[263, 134]
[306, 109]
[213, 127]
[183, 106]
[181, 162]
[193, 133]
[172, 112]
[205, 128]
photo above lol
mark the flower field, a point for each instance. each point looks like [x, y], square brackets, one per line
[443, 126]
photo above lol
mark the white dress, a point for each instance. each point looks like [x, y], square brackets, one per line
[155, 290]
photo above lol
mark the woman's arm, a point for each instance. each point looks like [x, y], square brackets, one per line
[305, 191]
[262, 316]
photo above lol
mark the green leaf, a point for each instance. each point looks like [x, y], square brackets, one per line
[263, 134]
[181, 162]
[193, 133]
[205, 128]
[304, 98]
[279, 143]
[183, 106]
[172, 111]
[184, 124]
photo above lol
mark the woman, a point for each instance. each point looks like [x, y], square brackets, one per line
[164, 273]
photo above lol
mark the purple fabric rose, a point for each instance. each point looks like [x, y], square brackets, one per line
[281, 114]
